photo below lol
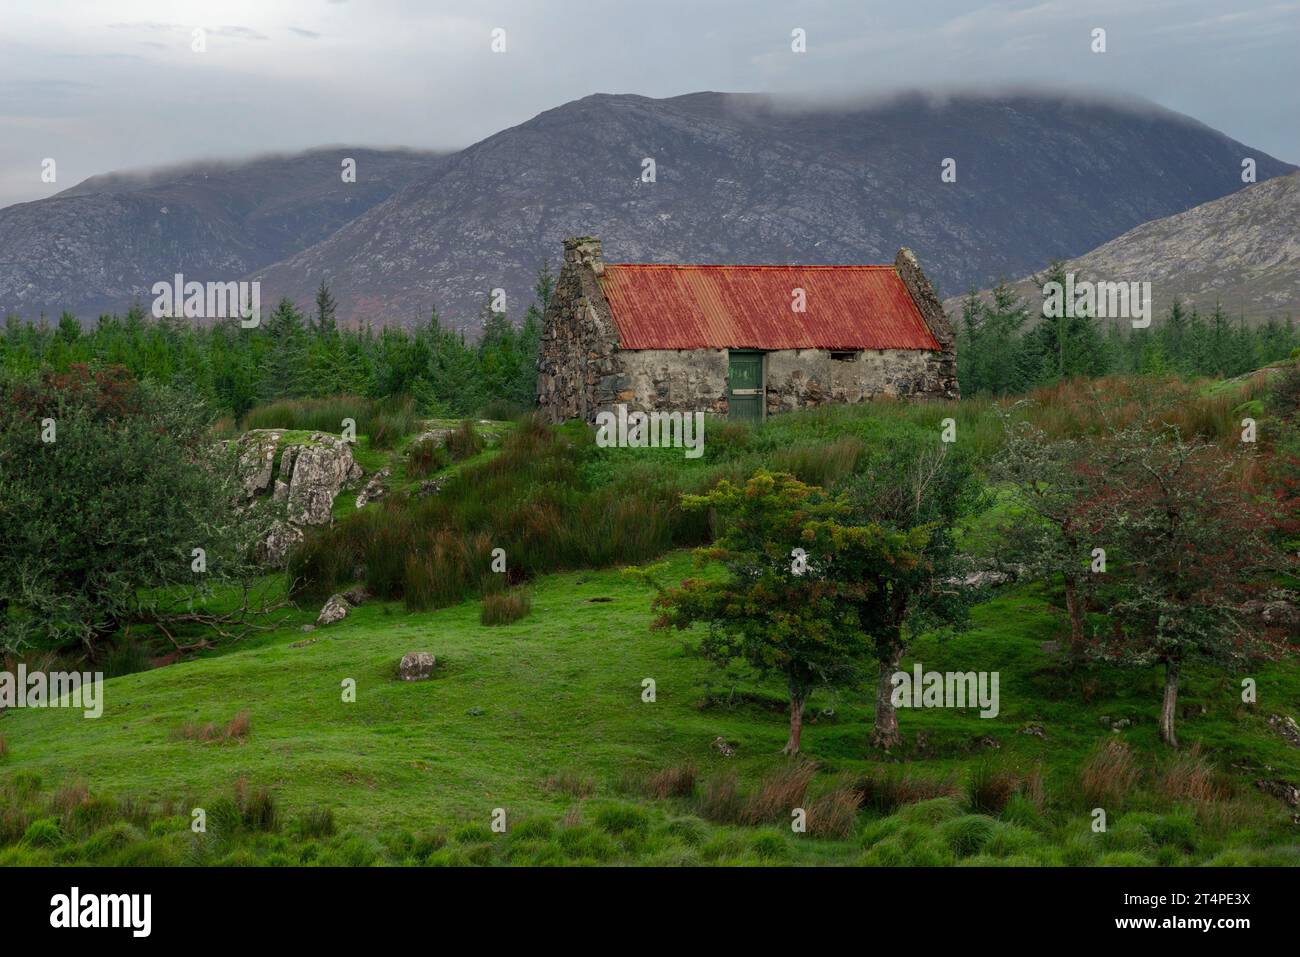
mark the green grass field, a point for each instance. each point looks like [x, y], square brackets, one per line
[544, 718]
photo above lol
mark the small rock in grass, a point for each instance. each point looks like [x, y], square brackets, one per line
[306, 628]
[725, 749]
[475, 711]
[416, 666]
[336, 609]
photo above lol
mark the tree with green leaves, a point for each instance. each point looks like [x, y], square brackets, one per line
[107, 488]
[778, 609]
[908, 499]
[326, 307]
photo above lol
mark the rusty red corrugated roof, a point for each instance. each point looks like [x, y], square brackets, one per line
[659, 306]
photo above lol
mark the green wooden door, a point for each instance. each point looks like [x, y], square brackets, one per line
[745, 386]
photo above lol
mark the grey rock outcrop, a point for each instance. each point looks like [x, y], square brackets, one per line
[278, 542]
[302, 477]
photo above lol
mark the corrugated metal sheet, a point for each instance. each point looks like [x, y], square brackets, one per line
[749, 307]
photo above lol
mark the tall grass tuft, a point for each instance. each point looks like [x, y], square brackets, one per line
[385, 420]
[465, 442]
[504, 607]
[1108, 775]
[885, 790]
[778, 793]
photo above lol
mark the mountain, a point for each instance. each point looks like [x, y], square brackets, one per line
[106, 241]
[1242, 250]
[739, 178]
[744, 178]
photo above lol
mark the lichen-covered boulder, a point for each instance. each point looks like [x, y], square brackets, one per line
[256, 462]
[280, 539]
[336, 609]
[416, 666]
[374, 489]
[321, 469]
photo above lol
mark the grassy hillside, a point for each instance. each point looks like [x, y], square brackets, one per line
[545, 719]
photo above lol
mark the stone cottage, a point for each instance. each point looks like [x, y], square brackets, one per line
[741, 341]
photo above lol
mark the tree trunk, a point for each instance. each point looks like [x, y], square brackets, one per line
[885, 734]
[797, 704]
[1074, 608]
[1170, 703]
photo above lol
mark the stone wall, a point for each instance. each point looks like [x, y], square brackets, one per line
[577, 372]
[692, 381]
[943, 365]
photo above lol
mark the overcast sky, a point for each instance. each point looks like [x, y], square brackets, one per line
[116, 84]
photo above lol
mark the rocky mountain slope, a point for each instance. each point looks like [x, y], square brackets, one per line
[106, 241]
[739, 179]
[1242, 250]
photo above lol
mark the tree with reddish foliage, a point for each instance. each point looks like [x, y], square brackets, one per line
[1189, 544]
[1047, 533]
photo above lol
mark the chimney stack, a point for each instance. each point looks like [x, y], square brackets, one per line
[584, 250]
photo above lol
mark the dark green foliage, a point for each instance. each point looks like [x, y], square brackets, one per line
[116, 504]
[1005, 346]
[290, 356]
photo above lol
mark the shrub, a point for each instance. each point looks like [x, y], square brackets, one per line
[503, 608]
[1108, 775]
[142, 453]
